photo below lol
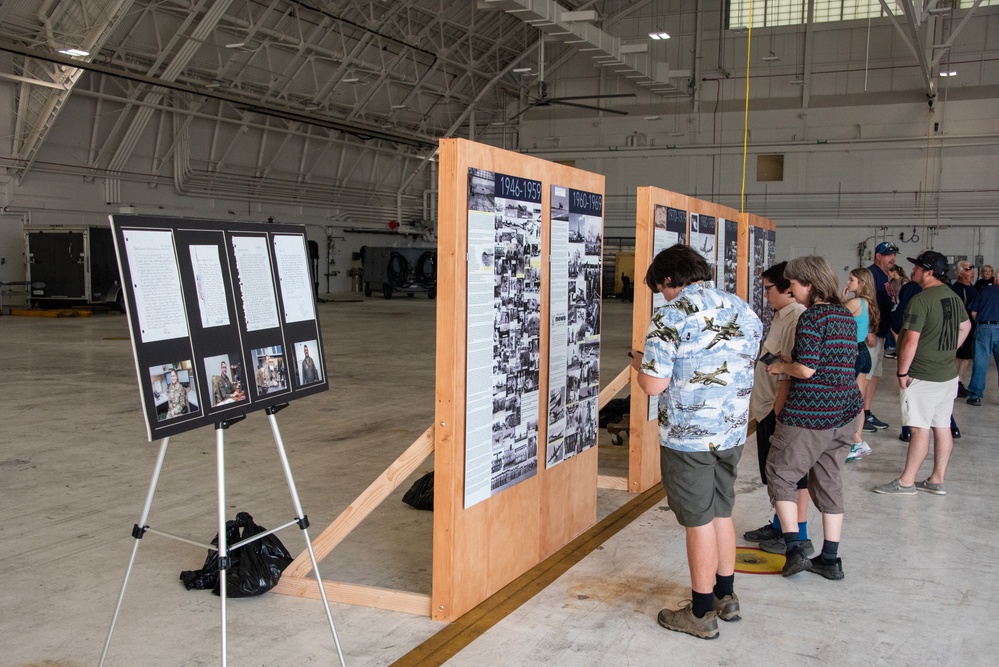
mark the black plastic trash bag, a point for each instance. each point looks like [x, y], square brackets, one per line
[253, 569]
[421, 494]
[614, 412]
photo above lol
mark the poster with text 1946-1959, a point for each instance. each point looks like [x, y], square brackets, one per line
[574, 302]
[503, 332]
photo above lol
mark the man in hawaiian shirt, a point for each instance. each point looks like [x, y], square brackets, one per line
[699, 354]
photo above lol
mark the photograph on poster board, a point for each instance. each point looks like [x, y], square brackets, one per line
[174, 390]
[703, 241]
[574, 302]
[670, 228]
[225, 379]
[308, 369]
[756, 268]
[270, 374]
[503, 329]
[729, 247]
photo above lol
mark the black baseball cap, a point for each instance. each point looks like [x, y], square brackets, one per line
[886, 248]
[932, 261]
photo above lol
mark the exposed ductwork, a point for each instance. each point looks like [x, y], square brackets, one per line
[631, 61]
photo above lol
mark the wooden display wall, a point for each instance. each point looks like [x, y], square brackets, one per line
[481, 548]
[643, 455]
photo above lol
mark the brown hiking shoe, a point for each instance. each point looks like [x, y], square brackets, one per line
[727, 608]
[683, 620]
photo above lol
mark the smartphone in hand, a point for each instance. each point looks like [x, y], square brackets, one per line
[769, 358]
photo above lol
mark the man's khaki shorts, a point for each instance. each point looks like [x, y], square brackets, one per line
[700, 486]
[928, 404]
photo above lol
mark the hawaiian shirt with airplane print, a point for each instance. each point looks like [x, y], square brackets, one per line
[706, 341]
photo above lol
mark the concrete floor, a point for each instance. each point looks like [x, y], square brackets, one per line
[75, 466]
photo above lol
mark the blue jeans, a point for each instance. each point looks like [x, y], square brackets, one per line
[986, 344]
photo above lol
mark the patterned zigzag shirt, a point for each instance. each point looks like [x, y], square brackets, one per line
[705, 340]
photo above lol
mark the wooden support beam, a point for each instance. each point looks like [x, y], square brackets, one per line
[612, 482]
[356, 594]
[622, 380]
[365, 503]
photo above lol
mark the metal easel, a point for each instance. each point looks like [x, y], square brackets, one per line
[141, 528]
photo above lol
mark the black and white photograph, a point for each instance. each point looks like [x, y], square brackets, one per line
[308, 367]
[270, 374]
[225, 379]
[174, 390]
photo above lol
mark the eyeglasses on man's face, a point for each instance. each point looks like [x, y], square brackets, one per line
[766, 288]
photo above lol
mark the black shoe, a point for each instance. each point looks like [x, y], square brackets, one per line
[824, 568]
[796, 562]
[974, 401]
[762, 534]
[962, 391]
[905, 435]
[955, 432]
[871, 420]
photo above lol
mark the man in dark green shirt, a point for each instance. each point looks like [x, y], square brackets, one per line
[934, 325]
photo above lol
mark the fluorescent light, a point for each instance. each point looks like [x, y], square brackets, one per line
[350, 78]
[235, 45]
[659, 35]
[652, 118]
[76, 53]
[400, 106]
[213, 84]
[948, 73]
[521, 70]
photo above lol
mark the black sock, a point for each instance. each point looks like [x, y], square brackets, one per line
[791, 540]
[724, 585]
[701, 603]
[867, 414]
[829, 551]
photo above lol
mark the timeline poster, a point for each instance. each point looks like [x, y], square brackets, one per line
[503, 357]
[770, 258]
[669, 228]
[702, 237]
[211, 339]
[757, 257]
[574, 303]
[726, 277]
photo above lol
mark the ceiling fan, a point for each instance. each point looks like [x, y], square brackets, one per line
[542, 100]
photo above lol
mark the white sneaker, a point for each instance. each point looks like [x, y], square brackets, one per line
[858, 450]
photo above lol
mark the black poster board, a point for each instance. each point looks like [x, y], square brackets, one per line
[222, 317]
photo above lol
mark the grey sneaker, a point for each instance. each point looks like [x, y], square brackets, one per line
[894, 488]
[767, 532]
[683, 620]
[929, 487]
[779, 547]
[727, 608]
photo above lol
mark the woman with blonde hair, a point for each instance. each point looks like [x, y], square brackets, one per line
[864, 307]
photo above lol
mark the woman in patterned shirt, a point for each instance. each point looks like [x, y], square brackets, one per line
[823, 411]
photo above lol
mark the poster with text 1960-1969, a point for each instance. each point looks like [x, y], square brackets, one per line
[574, 300]
[503, 332]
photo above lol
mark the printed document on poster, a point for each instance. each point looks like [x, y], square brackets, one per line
[256, 283]
[159, 300]
[210, 284]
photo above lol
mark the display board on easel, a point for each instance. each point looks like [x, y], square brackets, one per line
[497, 512]
[222, 316]
[723, 236]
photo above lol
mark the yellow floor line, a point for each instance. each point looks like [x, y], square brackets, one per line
[445, 644]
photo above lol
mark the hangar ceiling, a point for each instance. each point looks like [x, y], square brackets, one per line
[310, 102]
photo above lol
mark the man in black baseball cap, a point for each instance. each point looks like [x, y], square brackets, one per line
[884, 261]
[932, 261]
[934, 325]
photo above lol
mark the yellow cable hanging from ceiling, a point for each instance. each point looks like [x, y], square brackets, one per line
[745, 127]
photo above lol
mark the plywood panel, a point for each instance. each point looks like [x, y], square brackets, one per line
[480, 549]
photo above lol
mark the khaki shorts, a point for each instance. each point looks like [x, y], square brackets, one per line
[928, 404]
[877, 358]
[796, 451]
[700, 486]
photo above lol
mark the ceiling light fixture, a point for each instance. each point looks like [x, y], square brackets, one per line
[521, 70]
[214, 84]
[659, 35]
[350, 78]
[652, 118]
[235, 45]
[76, 53]
[948, 73]
[400, 106]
